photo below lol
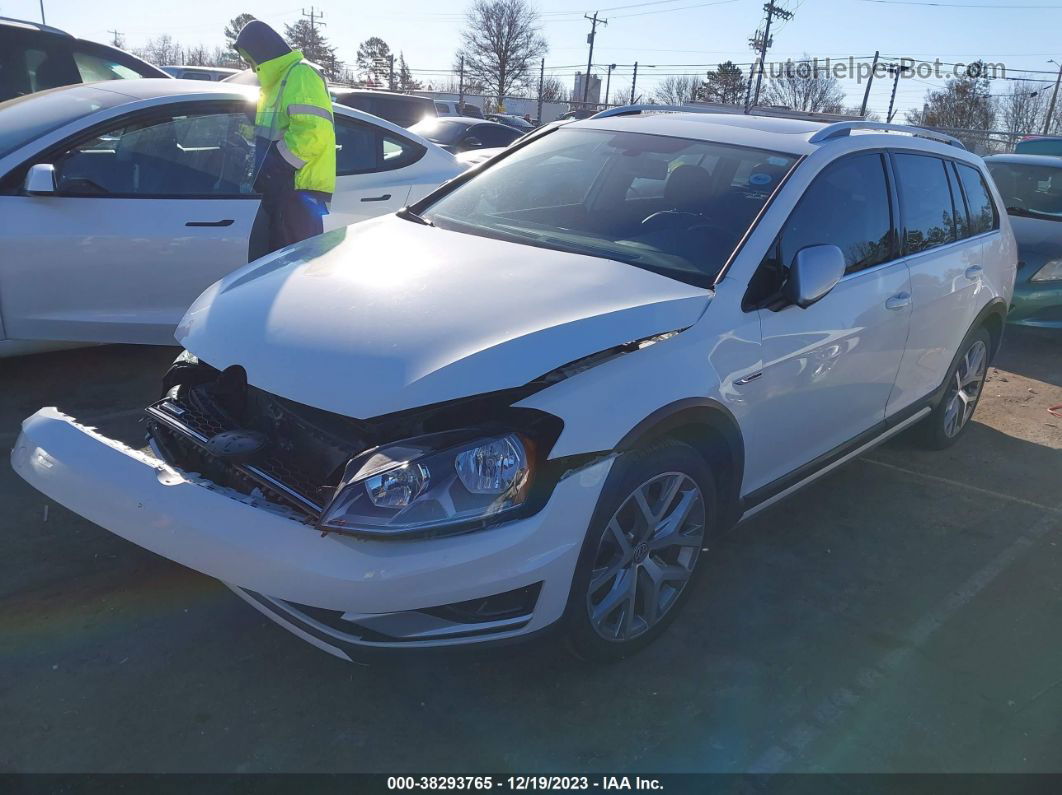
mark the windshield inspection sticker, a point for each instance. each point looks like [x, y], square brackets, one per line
[777, 161]
[759, 178]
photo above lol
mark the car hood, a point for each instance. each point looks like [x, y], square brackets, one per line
[389, 315]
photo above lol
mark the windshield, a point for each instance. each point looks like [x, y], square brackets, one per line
[670, 205]
[27, 118]
[1029, 190]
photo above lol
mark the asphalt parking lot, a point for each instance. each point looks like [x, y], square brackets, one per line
[902, 614]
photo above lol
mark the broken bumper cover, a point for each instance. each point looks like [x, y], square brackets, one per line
[381, 590]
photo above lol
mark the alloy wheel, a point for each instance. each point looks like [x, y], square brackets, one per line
[963, 392]
[646, 556]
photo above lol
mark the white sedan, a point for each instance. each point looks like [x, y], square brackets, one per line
[120, 204]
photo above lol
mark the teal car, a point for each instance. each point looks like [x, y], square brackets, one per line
[1031, 187]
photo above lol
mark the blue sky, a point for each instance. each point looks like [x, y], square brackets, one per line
[661, 33]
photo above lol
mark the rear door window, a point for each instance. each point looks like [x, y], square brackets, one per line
[364, 149]
[926, 210]
[983, 214]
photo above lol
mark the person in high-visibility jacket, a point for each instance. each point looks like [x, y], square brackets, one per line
[295, 136]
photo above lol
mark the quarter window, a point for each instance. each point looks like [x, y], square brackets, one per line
[846, 206]
[983, 215]
[365, 149]
[926, 209]
[93, 68]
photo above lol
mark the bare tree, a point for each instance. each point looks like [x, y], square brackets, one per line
[553, 90]
[161, 51]
[725, 84]
[374, 61]
[501, 43]
[963, 104]
[800, 86]
[676, 90]
[1022, 111]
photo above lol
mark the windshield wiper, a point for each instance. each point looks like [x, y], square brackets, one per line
[408, 215]
[1025, 212]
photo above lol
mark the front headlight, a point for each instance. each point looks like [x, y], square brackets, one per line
[446, 480]
[1051, 272]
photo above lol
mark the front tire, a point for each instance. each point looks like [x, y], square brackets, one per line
[642, 550]
[951, 416]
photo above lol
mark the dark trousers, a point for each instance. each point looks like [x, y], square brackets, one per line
[292, 216]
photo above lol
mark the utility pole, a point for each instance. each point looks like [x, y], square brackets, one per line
[764, 42]
[634, 81]
[315, 18]
[590, 58]
[42, 13]
[608, 83]
[894, 70]
[461, 85]
[866, 94]
[541, 85]
[116, 38]
[1054, 98]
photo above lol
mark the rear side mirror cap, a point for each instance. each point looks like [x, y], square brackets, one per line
[40, 179]
[814, 272]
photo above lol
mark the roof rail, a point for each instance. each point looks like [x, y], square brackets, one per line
[22, 23]
[843, 128]
[716, 107]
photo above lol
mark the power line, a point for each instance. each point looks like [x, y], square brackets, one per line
[953, 5]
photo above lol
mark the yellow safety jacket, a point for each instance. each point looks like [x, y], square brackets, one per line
[295, 110]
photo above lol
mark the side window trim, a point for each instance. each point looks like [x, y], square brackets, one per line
[957, 186]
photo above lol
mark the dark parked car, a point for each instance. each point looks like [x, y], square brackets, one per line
[1031, 187]
[35, 57]
[461, 134]
[516, 122]
[404, 110]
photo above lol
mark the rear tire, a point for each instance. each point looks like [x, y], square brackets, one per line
[966, 379]
[642, 552]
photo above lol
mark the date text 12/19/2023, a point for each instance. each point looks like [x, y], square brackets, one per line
[523, 783]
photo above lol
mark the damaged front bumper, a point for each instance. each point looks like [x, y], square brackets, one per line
[339, 592]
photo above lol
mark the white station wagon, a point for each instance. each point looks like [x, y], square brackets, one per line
[529, 401]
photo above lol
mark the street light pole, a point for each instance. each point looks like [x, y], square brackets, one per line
[1054, 98]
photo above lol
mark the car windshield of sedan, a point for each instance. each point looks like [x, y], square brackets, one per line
[670, 205]
[1028, 190]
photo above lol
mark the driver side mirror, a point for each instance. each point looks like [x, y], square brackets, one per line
[40, 179]
[814, 272]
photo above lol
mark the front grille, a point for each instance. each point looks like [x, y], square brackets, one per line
[269, 474]
[301, 464]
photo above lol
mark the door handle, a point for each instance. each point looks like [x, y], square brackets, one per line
[223, 222]
[748, 379]
[974, 272]
[898, 301]
[383, 198]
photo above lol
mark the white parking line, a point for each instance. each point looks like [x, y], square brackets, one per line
[960, 485]
[8, 437]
